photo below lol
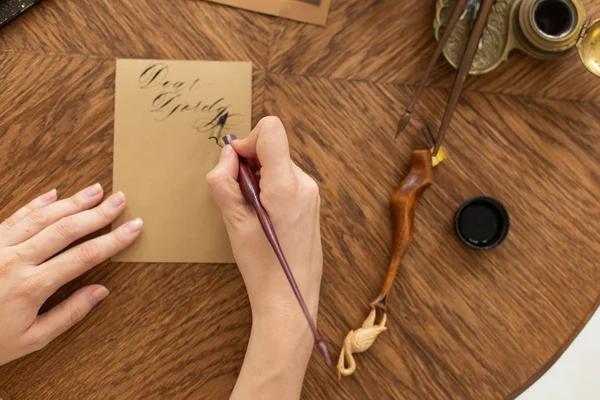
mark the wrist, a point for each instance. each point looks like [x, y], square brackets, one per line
[284, 325]
[282, 338]
[284, 330]
[276, 360]
[275, 303]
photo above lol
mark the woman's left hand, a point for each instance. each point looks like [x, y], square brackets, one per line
[31, 269]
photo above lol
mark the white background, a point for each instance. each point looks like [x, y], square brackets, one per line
[576, 374]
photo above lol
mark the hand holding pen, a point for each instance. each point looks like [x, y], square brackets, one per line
[292, 201]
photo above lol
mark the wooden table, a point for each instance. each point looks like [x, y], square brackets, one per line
[463, 324]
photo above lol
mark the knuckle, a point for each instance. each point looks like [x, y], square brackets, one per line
[312, 188]
[103, 214]
[26, 210]
[39, 218]
[67, 227]
[9, 259]
[121, 238]
[88, 253]
[8, 223]
[34, 286]
[74, 202]
[236, 218]
[76, 313]
[213, 178]
[38, 340]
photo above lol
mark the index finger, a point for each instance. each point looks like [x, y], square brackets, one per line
[269, 144]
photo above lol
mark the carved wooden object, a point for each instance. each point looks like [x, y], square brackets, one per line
[359, 341]
[403, 203]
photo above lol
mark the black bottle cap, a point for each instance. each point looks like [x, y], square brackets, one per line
[482, 223]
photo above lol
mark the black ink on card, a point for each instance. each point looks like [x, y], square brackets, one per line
[176, 97]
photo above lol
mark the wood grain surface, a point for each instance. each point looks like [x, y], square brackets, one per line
[462, 324]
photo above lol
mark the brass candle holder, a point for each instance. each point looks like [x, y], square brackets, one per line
[544, 29]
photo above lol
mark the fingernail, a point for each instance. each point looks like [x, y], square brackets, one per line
[98, 295]
[93, 191]
[134, 226]
[49, 197]
[116, 200]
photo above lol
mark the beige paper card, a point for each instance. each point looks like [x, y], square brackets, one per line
[165, 113]
[309, 11]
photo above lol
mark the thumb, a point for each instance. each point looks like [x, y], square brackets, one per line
[50, 325]
[222, 180]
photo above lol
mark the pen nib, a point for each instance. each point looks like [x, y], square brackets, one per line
[223, 119]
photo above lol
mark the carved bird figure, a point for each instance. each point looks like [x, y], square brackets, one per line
[359, 341]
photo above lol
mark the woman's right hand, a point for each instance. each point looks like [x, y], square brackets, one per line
[292, 200]
[281, 341]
